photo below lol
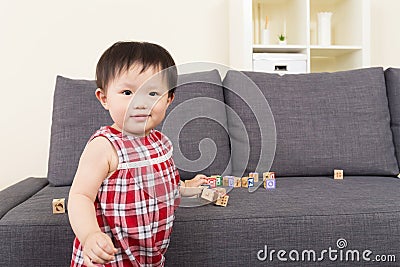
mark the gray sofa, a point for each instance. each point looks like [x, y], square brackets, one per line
[345, 120]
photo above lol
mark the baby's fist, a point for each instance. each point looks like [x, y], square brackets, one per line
[198, 180]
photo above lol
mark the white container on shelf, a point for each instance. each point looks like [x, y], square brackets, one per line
[324, 28]
[265, 37]
[281, 63]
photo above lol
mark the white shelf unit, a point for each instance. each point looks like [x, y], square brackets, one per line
[350, 32]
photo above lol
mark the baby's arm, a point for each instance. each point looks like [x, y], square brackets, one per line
[198, 180]
[94, 166]
[190, 188]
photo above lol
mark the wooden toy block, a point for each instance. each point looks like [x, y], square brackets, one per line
[254, 175]
[268, 175]
[338, 174]
[228, 181]
[218, 179]
[250, 182]
[222, 201]
[58, 205]
[245, 181]
[225, 180]
[209, 194]
[238, 182]
[231, 181]
[270, 183]
[212, 181]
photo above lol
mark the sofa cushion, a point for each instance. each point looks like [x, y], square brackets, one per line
[17, 193]
[196, 123]
[37, 236]
[392, 76]
[301, 213]
[324, 121]
[77, 114]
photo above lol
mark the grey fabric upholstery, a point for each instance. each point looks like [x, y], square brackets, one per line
[302, 213]
[36, 236]
[324, 121]
[19, 192]
[198, 114]
[392, 77]
[77, 114]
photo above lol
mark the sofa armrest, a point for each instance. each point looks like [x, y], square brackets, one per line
[16, 194]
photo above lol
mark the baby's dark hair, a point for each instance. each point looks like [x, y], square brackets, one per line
[122, 55]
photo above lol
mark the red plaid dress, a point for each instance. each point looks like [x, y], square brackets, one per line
[135, 205]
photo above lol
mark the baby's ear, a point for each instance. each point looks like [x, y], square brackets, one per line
[171, 98]
[101, 96]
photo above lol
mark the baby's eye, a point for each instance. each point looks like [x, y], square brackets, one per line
[153, 93]
[127, 92]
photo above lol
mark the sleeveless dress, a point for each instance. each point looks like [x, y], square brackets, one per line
[135, 205]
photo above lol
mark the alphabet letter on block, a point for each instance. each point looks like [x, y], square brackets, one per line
[338, 174]
[218, 179]
[238, 182]
[268, 175]
[58, 205]
[245, 181]
[250, 182]
[212, 181]
[231, 181]
[269, 183]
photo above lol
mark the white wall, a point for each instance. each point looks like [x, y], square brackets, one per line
[43, 38]
[40, 39]
[385, 39]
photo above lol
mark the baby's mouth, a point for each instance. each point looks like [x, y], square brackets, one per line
[140, 117]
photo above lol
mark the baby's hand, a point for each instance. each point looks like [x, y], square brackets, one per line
[98, 248]
[198, 180]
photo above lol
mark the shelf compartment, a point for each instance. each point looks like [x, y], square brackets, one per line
[332, 50]
[284, 17]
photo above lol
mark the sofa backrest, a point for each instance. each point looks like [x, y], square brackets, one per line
[324, 121]
[77, 114]
[392, 77]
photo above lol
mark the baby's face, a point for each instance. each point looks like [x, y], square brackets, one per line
[137, 101]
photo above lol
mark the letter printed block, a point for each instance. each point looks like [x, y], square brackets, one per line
[212, 181]
[218, 179]
[269, 183]
[250, 182]
[268, 175]
[58, 205]
[338, 174]
[245, 181]
[231, 181]
[238, 182]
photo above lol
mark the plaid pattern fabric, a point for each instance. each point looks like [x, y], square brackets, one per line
[135, 205]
